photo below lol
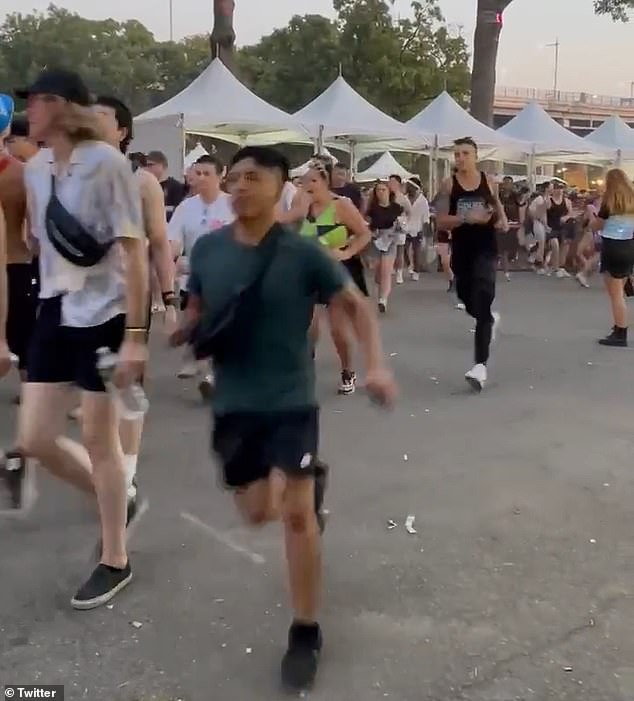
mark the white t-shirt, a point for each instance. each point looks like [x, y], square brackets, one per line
[100, 191]
[419, 216]
[193, 218]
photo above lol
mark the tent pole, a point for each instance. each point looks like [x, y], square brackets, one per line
[183, 142]
[353, 159]
[320, 140]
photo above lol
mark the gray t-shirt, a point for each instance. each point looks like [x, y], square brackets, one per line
[100, 191]
[276, 373]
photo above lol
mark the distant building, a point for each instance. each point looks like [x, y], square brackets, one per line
[582, 112]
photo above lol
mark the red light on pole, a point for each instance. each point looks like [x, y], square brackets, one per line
[499, 19]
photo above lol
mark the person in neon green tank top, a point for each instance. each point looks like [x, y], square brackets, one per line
[339, 226]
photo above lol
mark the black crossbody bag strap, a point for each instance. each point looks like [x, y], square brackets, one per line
[225, 333]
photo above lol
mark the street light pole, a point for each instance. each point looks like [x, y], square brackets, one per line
[171, 20]
[556, 80]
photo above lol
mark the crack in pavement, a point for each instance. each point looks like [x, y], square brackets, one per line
[538, 650]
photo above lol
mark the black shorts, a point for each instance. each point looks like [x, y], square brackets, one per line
[249, 445]
[355, 269]
[22, 307]
[442, 237]
[507, 241]
[66, 354]
[617, 257]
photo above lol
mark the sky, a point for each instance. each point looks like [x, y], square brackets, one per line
[588, 44]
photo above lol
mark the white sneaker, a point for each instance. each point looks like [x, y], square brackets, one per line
[542, 271]
[582, 280]
[188, 371]
[399, 277]
[507, 276]
[477, 377]
[561, 274]
[531, 259]
[415, 276]
[460, 307]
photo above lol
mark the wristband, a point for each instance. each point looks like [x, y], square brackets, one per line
[138, 329]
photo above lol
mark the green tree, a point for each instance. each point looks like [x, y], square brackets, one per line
[485, 48]
[294, 64]
[392, 64]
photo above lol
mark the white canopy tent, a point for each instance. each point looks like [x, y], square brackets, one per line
[549, 140]
[340, 114]
[615, 136]
[197, 152]
[217, 104]
[381, 170]
[448, 121]
[303, 169]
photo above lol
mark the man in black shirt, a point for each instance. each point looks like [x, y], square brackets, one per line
[344, 187]
[173, 190]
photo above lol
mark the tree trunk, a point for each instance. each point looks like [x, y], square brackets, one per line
[485, 54]
[223, 36]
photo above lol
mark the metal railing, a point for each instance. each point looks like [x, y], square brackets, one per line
[564, 97]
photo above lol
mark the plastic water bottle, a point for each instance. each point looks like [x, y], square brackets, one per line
[131, 401]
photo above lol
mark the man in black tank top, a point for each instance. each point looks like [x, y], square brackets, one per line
[468, 205]
[561, 223]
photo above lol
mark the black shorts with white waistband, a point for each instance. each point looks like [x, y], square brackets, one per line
[251, 444]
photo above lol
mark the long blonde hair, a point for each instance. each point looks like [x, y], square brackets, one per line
[619, 193]
[78, 124]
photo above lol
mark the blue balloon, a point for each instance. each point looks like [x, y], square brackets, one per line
[6, 111]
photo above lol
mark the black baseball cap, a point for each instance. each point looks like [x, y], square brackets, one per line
[61, 83]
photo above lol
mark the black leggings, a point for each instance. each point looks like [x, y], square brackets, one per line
[475, 287]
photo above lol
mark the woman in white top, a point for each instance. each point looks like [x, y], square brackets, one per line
[82, 188]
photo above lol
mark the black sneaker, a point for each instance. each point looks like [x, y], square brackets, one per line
[206, 387]
[102, 585]
[348, 382]
[321, 483]
[17, 477]
[299, 665]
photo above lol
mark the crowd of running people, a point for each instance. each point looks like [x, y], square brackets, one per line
[233, 252]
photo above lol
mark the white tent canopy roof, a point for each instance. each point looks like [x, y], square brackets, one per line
[381, 170]
[614, 134]
[546, 136]
[303, 169]
[218, 104]
[191, 158]
[344, 114]
[447, 120]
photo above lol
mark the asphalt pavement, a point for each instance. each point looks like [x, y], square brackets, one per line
[516, 585]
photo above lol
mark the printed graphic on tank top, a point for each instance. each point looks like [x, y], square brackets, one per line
[470, 240]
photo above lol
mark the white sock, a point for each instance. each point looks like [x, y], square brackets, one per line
[129, 463]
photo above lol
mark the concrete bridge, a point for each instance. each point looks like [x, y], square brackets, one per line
[581, 112]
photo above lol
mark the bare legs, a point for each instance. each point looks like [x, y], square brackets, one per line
[96, 469]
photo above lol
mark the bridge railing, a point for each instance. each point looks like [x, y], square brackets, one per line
[562, 96]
